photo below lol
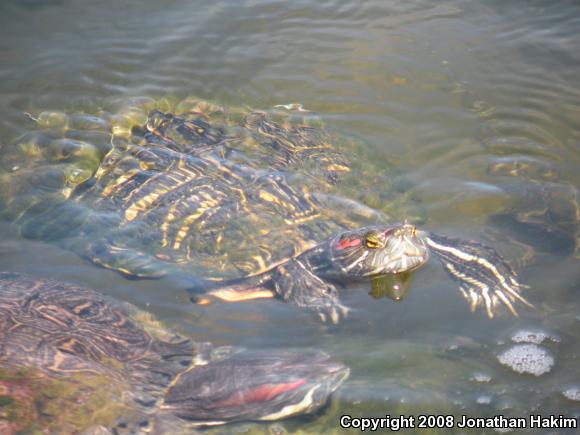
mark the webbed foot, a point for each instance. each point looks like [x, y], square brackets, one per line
[296, 283]
[484, 277]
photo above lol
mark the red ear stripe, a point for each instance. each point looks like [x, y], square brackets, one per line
[347, 243]
[263, 393]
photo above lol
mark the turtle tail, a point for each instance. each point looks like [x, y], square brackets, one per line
[484, 277]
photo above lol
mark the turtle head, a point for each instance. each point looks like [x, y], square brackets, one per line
[378, 250]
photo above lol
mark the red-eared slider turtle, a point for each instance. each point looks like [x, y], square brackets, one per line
[71, 358]
[239, 204]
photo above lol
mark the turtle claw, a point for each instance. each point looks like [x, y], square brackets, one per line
[333, 313]
[344, 310]
[505, 294]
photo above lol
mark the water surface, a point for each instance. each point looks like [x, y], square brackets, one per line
[473, 107]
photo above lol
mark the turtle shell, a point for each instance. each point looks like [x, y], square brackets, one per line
[205, 191]
[70, 356]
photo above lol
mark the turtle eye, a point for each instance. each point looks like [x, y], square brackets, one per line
[372, 240]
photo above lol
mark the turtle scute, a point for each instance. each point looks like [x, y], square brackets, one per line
[72, 358]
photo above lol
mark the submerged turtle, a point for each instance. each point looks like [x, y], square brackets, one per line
[244, 206]
[71, 358]
[547, 211]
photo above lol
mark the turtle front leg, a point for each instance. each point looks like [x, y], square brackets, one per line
[295, 282]
[292, 281]
[484, 277]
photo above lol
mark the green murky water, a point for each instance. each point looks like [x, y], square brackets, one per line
[474, 109]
